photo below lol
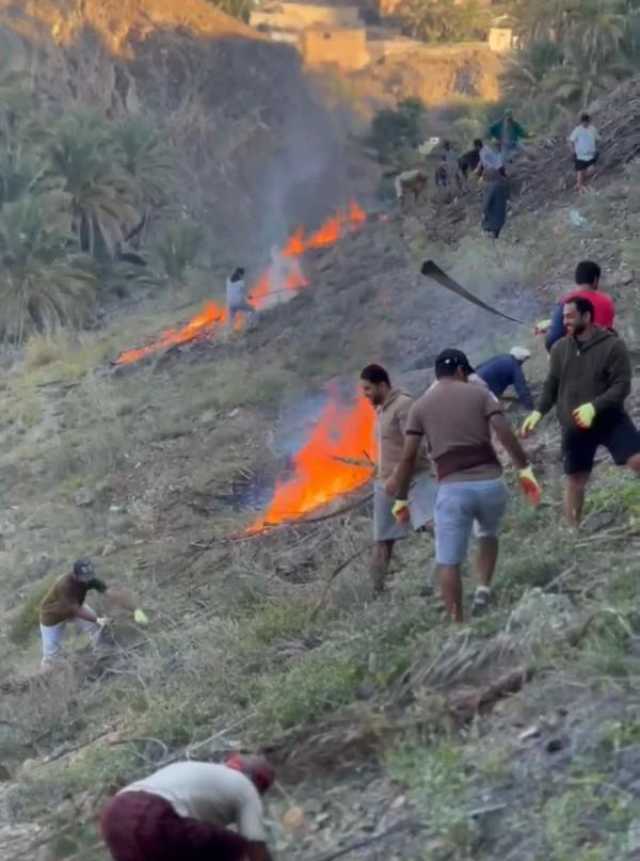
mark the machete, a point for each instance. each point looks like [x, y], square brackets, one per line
[432, 270]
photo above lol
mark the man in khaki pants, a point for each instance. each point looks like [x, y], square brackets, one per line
[392, 406]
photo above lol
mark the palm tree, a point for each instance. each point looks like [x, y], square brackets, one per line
[89, 163]
[581, 79]
[179, 248]
[147, 159]
[42, 286]
[529, 67]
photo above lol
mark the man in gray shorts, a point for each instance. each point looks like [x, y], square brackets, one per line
[392, 407]
[456, 419]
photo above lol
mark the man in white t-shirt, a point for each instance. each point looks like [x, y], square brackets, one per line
[584, 143]
[183, 812]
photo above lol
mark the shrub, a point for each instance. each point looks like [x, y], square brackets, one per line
[392, 130]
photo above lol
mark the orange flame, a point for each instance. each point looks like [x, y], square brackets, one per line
[320, 473]
[212, 317]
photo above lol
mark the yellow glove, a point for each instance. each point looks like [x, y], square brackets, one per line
[140, 617]
[542, 327]
[400, 510]
[584, 416]
[530, 423]
[529, 485]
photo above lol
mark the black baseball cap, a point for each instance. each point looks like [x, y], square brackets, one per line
[83, 569]
[452, 359]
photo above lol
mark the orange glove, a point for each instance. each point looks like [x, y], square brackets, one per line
[529, 485]
[400, 510]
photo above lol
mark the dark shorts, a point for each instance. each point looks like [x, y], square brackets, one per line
[140, 826]
[585, 165]
[614, 430]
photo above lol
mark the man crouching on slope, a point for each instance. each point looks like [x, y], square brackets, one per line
[456, 419]
[392, 407]
[181, 813]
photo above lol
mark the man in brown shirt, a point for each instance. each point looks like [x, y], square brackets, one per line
[392, 407]
[64, 603]
[456, 420]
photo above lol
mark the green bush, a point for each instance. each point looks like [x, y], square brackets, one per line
[391, 130]
[319, 684]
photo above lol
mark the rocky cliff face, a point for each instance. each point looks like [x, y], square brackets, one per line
[260, 152]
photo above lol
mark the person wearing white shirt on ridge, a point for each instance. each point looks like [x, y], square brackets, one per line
[584, 142]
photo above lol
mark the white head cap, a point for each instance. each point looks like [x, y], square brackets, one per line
[520, 354]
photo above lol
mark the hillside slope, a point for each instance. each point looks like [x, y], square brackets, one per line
[516, 736]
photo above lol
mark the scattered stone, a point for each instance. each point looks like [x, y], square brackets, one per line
[555, 745]
[540, 615]
[83, 497]
[5, 774]
[531, 732]
[293, 819]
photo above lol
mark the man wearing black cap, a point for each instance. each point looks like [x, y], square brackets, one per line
[457, 419]
[64, 602]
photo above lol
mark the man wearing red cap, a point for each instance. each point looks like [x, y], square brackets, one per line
[183, 810]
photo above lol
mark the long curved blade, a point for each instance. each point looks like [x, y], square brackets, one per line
[430, 269]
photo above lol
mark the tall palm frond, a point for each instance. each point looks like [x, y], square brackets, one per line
[147, 159]
[43, 285]
[89, 164]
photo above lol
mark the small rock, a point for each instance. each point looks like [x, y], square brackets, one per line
[398, 802]
[293, 819]
[5, 774]
[208, 417]
[531, 732]
[83, 497]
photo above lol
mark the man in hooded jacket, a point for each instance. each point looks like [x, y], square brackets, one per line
[588, 382]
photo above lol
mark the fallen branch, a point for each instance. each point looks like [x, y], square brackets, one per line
[407, 825]
[271, 529]
[314, 612]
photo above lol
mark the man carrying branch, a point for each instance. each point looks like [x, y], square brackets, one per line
[456, 419]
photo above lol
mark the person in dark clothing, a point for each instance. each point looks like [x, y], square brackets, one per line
[589, 380]
[496, 197]
[587, 279]
[470, 161]
[503, 371]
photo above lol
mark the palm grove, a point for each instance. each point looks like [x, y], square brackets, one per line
[77, 191]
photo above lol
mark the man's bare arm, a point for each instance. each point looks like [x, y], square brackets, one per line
[509, 440]
[87, 615]
[406, 467]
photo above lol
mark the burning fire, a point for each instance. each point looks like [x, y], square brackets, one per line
[284, 275]
[321, 473]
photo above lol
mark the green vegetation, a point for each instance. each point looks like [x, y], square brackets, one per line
[236, 8]
[441, 21]
[74, 192]
[395, 130]
[571, 53]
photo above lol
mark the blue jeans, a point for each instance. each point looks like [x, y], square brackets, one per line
[466, 506]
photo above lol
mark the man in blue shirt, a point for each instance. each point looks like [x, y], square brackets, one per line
[503, 371]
